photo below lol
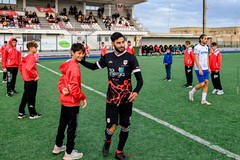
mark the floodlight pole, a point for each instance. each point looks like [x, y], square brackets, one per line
[204, 16]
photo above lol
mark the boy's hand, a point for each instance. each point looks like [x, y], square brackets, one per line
[36, 79]
[84, 103]
[133, 96]
[65, 91]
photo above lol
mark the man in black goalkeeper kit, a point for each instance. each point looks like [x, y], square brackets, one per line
[120, 65]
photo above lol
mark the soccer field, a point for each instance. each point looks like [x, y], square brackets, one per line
[165, 125]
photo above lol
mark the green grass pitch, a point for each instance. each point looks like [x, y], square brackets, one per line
[148, 140]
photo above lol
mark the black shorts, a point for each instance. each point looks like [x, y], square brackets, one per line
[118, 114]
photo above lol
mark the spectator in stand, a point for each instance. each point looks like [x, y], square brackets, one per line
[47, 14]
[150, 49]
[144, 49]
[161, 49]
[103, 49]
[156, 49]
[130, 48]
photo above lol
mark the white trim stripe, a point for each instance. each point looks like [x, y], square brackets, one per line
[136, 70]
[98, 65]
[166, 124]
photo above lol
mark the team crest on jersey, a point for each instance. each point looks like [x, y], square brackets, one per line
[108, 120]
[125, 62]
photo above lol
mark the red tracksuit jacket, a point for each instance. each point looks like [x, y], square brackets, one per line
[103, 50]
[130, 49]
[188, 57]
[215, 60]
[71, 79]
[28, 68]
[11, 57]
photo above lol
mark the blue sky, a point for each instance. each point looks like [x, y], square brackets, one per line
[160, 15]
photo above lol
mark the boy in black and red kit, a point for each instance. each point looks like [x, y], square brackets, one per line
[30, 76]
[71, 95]
[120, 65]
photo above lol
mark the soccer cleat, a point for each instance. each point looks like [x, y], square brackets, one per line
[4, 81]
[220, 92]
[190, 96]
[165, 79]
[57, 150]
[9, 94]
[21, 115]
[35, 116]
[105, 149]
[73, 155]
[120, 156]
[189, 86]
[169, 80]
[214, 91]
[206, 103]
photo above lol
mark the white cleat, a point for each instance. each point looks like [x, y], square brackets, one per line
[206, 103]
[73, 155]
[220, 92]
[57, 150]
[190, 96]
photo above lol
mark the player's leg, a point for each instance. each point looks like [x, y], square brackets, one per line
[72, 113]
[111, 125]
[14, 78]
[186, 75]
[63, 120]
[219, 85]
[9, 82]
[190, 77]
[21, 109]
[125, 112]
[198, 86]
[205, 88]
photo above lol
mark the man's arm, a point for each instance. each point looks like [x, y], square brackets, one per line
[92, 66]
[133, 96]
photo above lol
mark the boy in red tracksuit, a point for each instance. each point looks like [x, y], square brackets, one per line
[71, 95]
[1, 52]
[11, 58]
[130, 48]
[103, 49]
[188, 63]
[215, 62]
[30, 76]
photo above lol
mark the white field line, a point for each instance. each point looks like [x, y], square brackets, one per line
[179, 130]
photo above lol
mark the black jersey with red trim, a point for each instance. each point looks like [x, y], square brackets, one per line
[120, 68]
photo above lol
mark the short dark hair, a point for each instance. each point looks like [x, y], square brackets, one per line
[77, 47]
[214, 44]
[14, 39]
[31, 44]
[5, 41]
[116, 35]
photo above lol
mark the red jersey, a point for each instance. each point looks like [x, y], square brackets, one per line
[11, 57]
[87, 50]
[28, 68]
[103, 50]
[215, 60]
[188, 57]
[130, 49]
[71, 79]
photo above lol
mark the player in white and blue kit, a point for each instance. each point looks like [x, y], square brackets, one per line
[201, 66]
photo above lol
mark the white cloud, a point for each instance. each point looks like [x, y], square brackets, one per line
[158, 15]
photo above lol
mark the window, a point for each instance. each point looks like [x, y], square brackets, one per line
[8, 1]
[106, 39]
[93, 8]
[30, 37]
